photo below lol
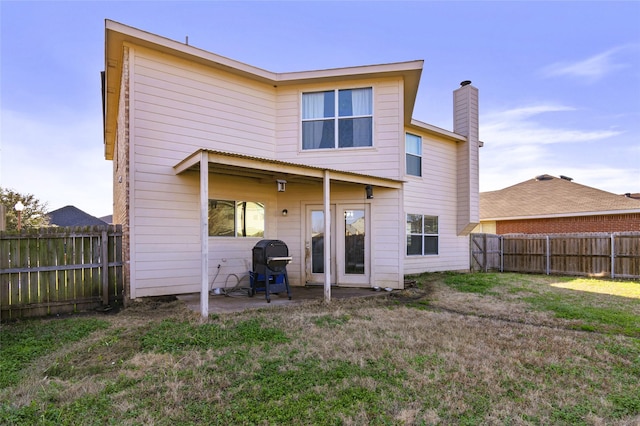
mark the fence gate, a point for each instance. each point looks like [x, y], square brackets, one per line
[486, 252]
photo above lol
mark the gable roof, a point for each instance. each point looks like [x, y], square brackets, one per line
[548, 196]
[73, 216]
[116, 35]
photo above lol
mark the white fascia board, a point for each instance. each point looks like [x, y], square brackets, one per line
[557, 215]
[182, 49]
[434, 130]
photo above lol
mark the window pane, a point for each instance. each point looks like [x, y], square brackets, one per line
[354, 232]
[414, 245]
[221, 218]
[431, 224]
[414, 165]
[355, 102]
[318, 105]
[414, 224]
[250, 219]
[413, 144]
[355, 132]
[317, 241]
[318, 134]
[430, 245]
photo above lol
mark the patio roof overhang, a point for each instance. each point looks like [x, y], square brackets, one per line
[270, 170]
[207, 162]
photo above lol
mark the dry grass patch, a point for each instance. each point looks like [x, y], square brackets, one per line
[432, 354]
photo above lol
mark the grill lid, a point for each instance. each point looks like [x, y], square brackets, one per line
[273, 254]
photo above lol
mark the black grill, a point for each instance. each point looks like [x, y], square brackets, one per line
[270, 260]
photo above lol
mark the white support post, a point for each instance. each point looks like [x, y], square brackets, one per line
[204, 234]
[327, 237]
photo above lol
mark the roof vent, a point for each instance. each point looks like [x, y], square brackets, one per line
[465, 83]
[566, 178]
[544, 177]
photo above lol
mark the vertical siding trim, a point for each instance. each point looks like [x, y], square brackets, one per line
[204, 234]
[132, 173]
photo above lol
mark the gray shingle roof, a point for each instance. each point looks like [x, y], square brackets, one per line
[549, 196]
[73, 216]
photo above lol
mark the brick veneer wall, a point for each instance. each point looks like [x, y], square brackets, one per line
[121, 173]
[562, 225]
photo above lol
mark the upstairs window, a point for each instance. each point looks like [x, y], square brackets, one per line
[236, 218]
[337, 119]
[413, 148]
[422, 235]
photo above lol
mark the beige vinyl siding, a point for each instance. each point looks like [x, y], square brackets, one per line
[381, 160]
[465, 122]
[387, 240]
[434, 194]
[202, 108]
[177, 108]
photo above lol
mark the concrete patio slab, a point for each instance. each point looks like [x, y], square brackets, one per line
[238, 301]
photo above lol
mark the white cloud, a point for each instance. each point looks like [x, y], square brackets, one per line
[591, 69]
[520, 144]
[61, 161]
[518, 127]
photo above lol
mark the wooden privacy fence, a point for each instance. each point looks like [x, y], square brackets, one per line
[58, 270]
[614, 255]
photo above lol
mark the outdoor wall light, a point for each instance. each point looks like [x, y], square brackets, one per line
[369, 190]
[19, 208]
[285, 212]
[282, 185]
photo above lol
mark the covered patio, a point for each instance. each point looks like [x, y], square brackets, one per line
[210, 162]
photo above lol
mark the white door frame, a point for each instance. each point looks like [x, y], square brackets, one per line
[340, 233]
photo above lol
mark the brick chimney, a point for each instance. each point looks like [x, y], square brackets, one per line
[466, 123]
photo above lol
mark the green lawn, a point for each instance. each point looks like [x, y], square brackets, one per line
[504, 349]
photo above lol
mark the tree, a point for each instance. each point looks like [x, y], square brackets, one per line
[34, 214]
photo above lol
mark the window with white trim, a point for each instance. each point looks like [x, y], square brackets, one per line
[422, 235]
[413, 148]
[236, 218]
[337, 119]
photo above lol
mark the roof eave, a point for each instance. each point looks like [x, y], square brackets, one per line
[559, 215]
[116, 35]
[436, 131]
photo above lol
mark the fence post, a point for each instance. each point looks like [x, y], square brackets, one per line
[105, 268]
[548, 256]
[501, 240]
[613, 255]
[484, 249]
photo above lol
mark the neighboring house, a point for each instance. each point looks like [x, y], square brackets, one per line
[211, 155]
[72, 216]
[552, 205]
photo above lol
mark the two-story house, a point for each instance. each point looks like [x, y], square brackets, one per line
[211, 155]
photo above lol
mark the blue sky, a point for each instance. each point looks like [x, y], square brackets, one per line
[559, 81]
